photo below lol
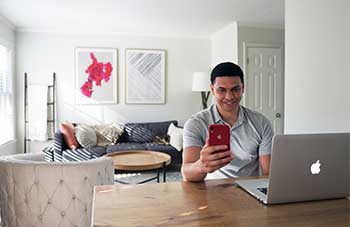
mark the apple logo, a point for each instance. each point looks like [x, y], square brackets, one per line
[315, 167]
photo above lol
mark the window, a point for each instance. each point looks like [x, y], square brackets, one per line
[6, 97]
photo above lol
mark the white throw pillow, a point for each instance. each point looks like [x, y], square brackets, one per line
[85, 135]
[175, 134]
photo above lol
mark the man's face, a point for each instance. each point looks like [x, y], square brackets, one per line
[228, 92]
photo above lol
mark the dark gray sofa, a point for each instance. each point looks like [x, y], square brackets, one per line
[136, 136]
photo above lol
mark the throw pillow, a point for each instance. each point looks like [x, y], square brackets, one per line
[67, 129]
[85, 135]
[163, 140]
[107, 134]
[175, 134]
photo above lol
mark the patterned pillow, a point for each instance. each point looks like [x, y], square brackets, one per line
[162, 140]
[107, 134]
[86, 136]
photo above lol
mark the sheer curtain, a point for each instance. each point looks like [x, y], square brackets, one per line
[6, 97]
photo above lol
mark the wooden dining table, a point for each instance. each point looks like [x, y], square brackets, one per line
[207, 204]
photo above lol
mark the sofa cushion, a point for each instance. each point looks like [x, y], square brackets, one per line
[96, 151]
[145, 132]
[176, 156]
[140, 134]
[81, 154]
[159, 147]
[125, 147]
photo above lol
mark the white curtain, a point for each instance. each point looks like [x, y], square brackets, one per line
[6, 97]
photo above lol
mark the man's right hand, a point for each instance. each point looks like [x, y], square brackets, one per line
[213, 158]
[198, 161]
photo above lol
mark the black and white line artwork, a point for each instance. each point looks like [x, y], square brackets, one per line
[145, 76]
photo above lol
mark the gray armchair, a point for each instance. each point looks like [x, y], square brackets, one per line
[35, 193]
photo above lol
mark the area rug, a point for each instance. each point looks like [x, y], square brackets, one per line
[172, 175]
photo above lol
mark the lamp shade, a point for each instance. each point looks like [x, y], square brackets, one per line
[200, 81]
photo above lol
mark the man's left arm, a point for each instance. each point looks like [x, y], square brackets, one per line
[265, 164]
[265, 147]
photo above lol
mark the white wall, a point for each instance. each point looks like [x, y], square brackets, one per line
[7, 33]
[40, 54]
[224, 45]
[7, 38]
[316, 77]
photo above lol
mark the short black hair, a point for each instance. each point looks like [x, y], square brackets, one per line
[226, 69]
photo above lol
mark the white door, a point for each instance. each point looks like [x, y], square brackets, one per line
[264, 84]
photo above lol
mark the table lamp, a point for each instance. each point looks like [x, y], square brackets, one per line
[201, 83]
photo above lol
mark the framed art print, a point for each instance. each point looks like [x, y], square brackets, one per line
[96, 75]
[145, 76]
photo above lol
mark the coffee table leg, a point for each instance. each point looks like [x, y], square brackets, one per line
[121, 182]
[164, 172]
[158, 174]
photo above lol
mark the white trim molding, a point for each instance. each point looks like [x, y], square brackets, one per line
[7, 22]
[260, 25]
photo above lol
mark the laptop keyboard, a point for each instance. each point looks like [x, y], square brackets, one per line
[263, 190]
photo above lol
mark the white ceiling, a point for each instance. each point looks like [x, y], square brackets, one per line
[160, 17]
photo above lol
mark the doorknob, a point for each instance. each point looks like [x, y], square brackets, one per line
[278, 115]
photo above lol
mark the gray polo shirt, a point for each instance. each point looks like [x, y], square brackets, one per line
[251, 137]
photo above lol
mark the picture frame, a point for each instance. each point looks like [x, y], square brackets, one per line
[96, 79]
[145, 75]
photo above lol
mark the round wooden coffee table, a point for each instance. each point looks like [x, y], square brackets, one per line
[138, 160]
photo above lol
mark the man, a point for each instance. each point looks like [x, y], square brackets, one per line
[251, 133]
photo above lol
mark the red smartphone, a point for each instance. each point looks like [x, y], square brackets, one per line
[219, 135]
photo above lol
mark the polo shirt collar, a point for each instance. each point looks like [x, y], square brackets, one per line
[218, 120]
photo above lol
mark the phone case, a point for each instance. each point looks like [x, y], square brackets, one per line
[219, 135]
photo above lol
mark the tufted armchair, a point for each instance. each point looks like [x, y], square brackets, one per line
[35, 193]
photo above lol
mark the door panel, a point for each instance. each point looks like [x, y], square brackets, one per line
[264, 84]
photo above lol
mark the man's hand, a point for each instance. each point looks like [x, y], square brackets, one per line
[213, 158]
[198, 161]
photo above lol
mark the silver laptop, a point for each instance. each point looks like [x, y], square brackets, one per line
[304, 167]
